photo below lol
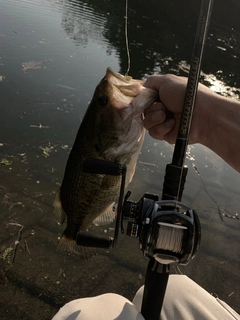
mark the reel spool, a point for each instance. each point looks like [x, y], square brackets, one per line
[170, 237]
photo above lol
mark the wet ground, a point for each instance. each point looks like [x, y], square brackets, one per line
[52, 56]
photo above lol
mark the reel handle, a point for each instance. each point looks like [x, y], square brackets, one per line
[98, 166]
[92, 239]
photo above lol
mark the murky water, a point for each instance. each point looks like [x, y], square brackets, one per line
[52, 55]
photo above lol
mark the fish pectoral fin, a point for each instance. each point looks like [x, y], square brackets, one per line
[58, 211]
[69, 245]
[106, 217]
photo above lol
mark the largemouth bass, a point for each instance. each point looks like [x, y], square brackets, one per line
[112, 129]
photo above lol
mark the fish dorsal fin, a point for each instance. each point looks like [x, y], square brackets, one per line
[58, 212]
[106, 217]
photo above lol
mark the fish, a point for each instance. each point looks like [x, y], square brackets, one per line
[111, 129]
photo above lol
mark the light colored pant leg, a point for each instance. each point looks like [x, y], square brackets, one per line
[186, 300]
[108, 306]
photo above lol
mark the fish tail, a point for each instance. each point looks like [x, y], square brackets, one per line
[58, 211]
[69, 245]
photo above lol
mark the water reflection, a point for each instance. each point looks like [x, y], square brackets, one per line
[156, 45]
[213, 81]
[80, 23]
[220, 87]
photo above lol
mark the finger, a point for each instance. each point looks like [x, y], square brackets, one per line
[159, 131]
[154, 118]
[156, 106]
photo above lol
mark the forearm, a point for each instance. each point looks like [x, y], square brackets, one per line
[221, 128]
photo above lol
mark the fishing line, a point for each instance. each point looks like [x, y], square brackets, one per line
[126, 38]
[222, 212]
[170, 237]
[205, 189]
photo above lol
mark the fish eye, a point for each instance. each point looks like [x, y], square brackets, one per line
[102, 100]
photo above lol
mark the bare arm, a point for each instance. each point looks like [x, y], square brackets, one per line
[223, 130]
[215, 123]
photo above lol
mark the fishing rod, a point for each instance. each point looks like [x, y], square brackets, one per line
[175, 174]
[168, 230]
[173, 189]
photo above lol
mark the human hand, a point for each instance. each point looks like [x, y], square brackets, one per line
[162, 118]
[215, 120]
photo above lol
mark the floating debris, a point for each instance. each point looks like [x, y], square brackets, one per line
[40, 126]
[26, 247]
[5, 162]
[6, 253]
[148, 163]
[46, 150]
[32, 101]
[23, 157]
[66, 87]
[33, 65]
[16, 242]
[15, 204]
[230, 294]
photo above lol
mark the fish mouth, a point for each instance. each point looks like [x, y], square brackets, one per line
[123, 89]
[129, 93]
[130, 98]
[118, 79]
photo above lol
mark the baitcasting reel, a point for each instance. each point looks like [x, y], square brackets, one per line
[168, 231]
